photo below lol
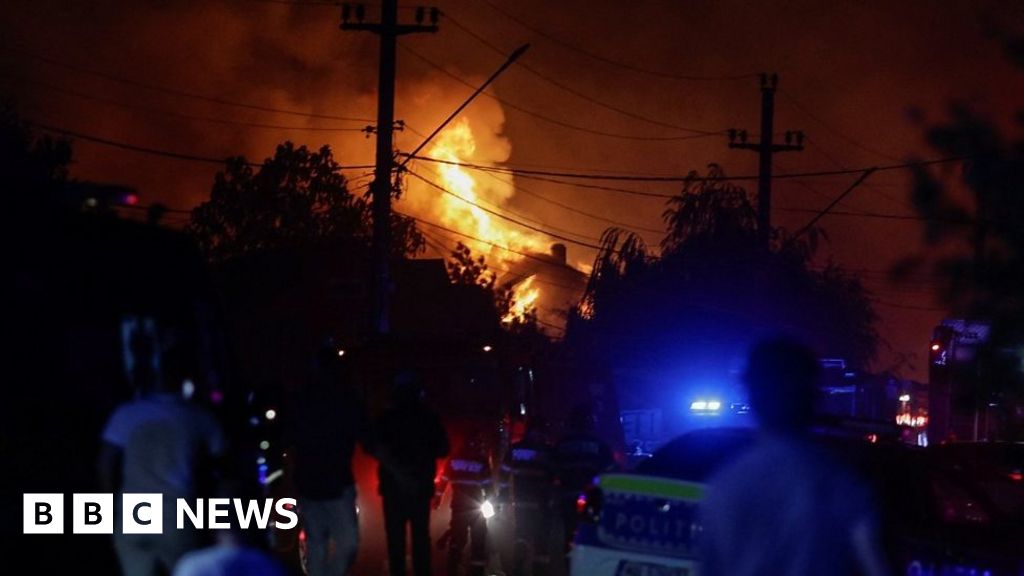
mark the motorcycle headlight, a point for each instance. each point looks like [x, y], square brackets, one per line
[487, 509]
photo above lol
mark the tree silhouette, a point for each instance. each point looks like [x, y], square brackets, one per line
[296, 198]
[714, 282]
[35, 167]
[466, 269]
[709, 206]
[974, 228]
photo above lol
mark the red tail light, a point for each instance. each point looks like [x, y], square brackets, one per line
[588, 505]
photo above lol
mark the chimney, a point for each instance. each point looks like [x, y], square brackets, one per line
[559, 253]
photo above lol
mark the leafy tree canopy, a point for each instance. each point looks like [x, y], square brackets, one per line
[296, 197]
[974, 228]
[714, 286]
[466, 269]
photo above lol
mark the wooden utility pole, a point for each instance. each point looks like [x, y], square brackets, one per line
[381, 189]
[765, 149]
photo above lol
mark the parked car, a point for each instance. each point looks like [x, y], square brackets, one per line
[645, 523]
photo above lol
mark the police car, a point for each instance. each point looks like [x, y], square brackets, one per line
[644, 523]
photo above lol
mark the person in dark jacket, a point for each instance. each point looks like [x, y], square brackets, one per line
[330, 420]
[581, 455]
[409, 439]
[528, 475]
[468, 473]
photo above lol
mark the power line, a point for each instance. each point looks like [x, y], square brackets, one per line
[154, 111]
[151, 151]
[817, 147]
[573, 209]
[847, 213]
[831, 205]
[176, 92]
[536, 175]
[504, 216]
[802, 109]
[599, 58]
[574, 92]
[549, 119]
[696, 178]
[481, 240]
[878, 215]
[640, 193]
[511, 59]
[491, 266]
[528, 218]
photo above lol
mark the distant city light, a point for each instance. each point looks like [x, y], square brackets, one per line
[936, 347]
[264, 445]
[487, 348]
[341, 352]
[271, 414]
[904, 397]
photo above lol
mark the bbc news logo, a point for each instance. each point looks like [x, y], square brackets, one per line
[144, 513]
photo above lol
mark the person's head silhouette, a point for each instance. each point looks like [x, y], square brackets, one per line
[782, 379]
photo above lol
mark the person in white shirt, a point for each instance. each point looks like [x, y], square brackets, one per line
[787, 505]
[159, 443]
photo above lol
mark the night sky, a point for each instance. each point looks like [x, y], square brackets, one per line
[857, 77]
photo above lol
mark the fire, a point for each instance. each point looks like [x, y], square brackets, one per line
[464, 213]
[524, 298]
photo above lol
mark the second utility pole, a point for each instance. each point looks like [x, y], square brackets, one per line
[765, 148]
[381, 189]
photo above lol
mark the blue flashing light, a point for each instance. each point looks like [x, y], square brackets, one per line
[705, 406]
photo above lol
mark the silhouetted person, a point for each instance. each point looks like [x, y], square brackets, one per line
[528, 480]
[159, 443]
[786, 506]
[581, 455]
[408, 441]
[468, 473]
[330, 419]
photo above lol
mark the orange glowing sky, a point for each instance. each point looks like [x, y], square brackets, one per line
[849, 74]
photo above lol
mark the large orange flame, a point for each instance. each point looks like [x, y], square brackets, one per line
[524, 299]
[461, 210]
